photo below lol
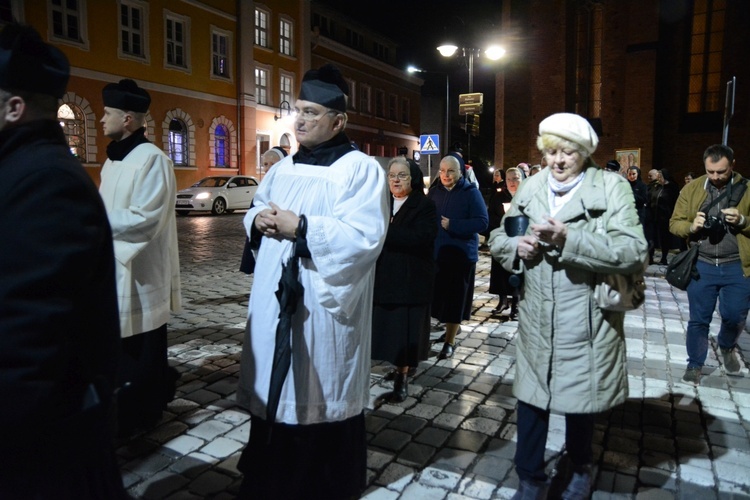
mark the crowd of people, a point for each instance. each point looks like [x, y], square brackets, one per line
[353, 263]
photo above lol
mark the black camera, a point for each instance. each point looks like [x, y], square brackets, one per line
[715, 225]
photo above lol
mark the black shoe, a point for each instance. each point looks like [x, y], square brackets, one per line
[447, 351]
[439, 339]
[391, 375]
[400, 389]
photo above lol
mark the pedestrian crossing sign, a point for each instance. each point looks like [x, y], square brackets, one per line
[429, 144]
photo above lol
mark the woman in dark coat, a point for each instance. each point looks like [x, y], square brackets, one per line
[404, 276]
[663, 199]
[640, 193]
[462, 214]
[498, 203]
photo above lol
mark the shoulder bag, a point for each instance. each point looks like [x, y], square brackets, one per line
[681, 269]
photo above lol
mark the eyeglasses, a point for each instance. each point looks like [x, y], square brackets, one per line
[401, 176]
[447, 172]
[310, 115]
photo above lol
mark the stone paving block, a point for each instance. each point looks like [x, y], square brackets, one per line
[390, 439]
[209, 483]
[378, 460]
[183, 445]
[658, 477]
[467, 440]
[425, 411]
[396, 476]
[193, 464]
[209, 429]
[408, 423]
[461, 407]
[197, 416]
[693, 474]
[158, 486]
[416, 455]
[222, 447]
[373, 493]
[651, 493]
[432, 436]
[482, 425]
[453, 459]
[229, 465]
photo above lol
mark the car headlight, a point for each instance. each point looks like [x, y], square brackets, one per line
[202, 196]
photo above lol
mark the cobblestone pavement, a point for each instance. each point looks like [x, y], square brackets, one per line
[454, 437]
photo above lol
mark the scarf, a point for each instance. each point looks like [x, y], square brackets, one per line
[118, 150]
[558, 188]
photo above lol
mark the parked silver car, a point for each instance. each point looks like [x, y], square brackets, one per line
[219, 193]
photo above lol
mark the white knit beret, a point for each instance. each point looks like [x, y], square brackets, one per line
[571, 127]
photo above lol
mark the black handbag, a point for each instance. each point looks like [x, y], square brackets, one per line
[681, 269]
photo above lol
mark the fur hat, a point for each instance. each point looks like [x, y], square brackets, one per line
[28, 63]
[571, 127]
[126, 95]
[325, 86]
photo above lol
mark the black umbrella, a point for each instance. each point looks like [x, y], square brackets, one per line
[289, 293]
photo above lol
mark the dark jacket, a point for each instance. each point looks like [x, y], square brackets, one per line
[495, 208]
[640, 193]
[465, 208]
[405, 271]
[59, 326]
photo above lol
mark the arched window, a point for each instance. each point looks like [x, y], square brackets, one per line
[73, 124]
[221, 143]
[178, 142]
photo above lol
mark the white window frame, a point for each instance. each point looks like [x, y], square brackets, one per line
[185, 21]
[145, 56]
[262, 33]
[286, 88]
[352, 100]
[286, 43]
[365, 92]
[184, 149]
[215, 31]
[81, 14]
[262, 88]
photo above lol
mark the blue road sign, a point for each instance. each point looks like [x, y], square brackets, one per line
[429, 144]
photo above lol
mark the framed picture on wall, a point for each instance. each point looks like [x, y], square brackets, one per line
[628, 157]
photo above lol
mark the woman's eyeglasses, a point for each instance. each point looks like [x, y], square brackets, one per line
[402, 176]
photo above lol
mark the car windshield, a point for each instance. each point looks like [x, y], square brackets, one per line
[211, 182]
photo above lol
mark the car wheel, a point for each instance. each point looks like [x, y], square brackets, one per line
[183, 213]
[220, 207]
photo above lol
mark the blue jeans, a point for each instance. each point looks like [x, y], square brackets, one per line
[726, 283]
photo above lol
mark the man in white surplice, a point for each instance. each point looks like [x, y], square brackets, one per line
[330, 203]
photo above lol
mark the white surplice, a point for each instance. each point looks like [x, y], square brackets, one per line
[346, 205]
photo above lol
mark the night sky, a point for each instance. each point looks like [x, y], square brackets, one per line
[418, 27]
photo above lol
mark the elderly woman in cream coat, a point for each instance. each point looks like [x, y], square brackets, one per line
[570, 353]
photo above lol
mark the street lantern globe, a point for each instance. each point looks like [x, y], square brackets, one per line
[447, 50]
[494, 52]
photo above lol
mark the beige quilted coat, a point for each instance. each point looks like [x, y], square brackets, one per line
[570, 353]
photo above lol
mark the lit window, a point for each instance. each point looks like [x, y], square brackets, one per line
[285, 37]
[285, 90]
[261, 28]
[178, 142]
[73, 123]
[261, 86]
[220, 57]
[221, 143]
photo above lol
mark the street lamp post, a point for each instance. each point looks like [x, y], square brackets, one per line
[494, 52]
[412, 69]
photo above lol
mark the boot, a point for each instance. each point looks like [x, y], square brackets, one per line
[528, 489]
[400, 388]
[447, 351]
[579, 487]
[513, 309]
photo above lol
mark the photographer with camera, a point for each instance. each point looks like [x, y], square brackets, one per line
[715, 209]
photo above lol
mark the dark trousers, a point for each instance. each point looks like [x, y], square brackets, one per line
[533, 424]
[146, 381]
